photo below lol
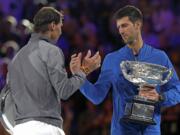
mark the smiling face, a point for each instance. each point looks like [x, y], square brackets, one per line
[128, 30]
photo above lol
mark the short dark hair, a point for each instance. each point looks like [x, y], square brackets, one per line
[132, 12]
[45, 16]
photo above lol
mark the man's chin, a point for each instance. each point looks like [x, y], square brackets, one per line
[128, 42]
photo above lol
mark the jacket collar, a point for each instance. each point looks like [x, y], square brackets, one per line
[38, 36]
[141, 55]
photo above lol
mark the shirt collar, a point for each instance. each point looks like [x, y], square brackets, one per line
[38, 36]
[141, 53]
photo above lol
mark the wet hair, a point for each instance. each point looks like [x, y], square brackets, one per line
[44, 17]
[129, 11]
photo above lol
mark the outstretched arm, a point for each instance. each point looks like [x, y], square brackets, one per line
[98, 91]
[63, 85]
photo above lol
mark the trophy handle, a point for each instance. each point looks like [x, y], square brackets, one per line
[126, 70]
[166, 76]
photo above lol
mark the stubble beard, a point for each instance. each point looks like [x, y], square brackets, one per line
[130, 41]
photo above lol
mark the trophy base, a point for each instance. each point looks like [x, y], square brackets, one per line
[135, 119]
[139, 99]
[139, 111]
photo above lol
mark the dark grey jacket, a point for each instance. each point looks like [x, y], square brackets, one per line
[39, 81]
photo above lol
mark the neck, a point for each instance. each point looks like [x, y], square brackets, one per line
[46, 36]
[136, 45]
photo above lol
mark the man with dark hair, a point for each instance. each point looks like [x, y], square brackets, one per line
[129, 23]
[133, 13]
[38, 79]
[44, 17]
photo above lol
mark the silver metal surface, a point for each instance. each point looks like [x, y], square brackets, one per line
[141, 109]
[7, 112]
[142, 73]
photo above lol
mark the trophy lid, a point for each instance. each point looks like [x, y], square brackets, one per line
[143, 73]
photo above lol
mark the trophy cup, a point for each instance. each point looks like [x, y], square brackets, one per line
[140, 109]
[7, 110]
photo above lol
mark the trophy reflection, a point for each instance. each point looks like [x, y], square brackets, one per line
[141, 109]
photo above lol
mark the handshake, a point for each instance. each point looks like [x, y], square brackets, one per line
[87, 64]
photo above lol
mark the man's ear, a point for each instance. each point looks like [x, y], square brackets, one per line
[138, 24]
[51, 26]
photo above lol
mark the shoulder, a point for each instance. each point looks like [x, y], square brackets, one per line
[157, 56]
[116, 54]
[112, 59]
[48, 49]
[46, 46]
[157, 52]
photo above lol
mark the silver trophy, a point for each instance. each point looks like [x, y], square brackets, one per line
[7, 110]
[141, 109]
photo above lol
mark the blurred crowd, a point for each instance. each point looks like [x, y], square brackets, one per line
[89, 24]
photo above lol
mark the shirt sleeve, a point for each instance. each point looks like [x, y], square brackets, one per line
[171, 90]
[63, 85]
[98, 91]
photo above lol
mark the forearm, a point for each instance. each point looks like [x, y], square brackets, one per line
[68, 86]
[171, 97]
[92, 93]
[98, 91]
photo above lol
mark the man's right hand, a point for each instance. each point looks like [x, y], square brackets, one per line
[75, 63]
[90, 63]
[149, 92]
